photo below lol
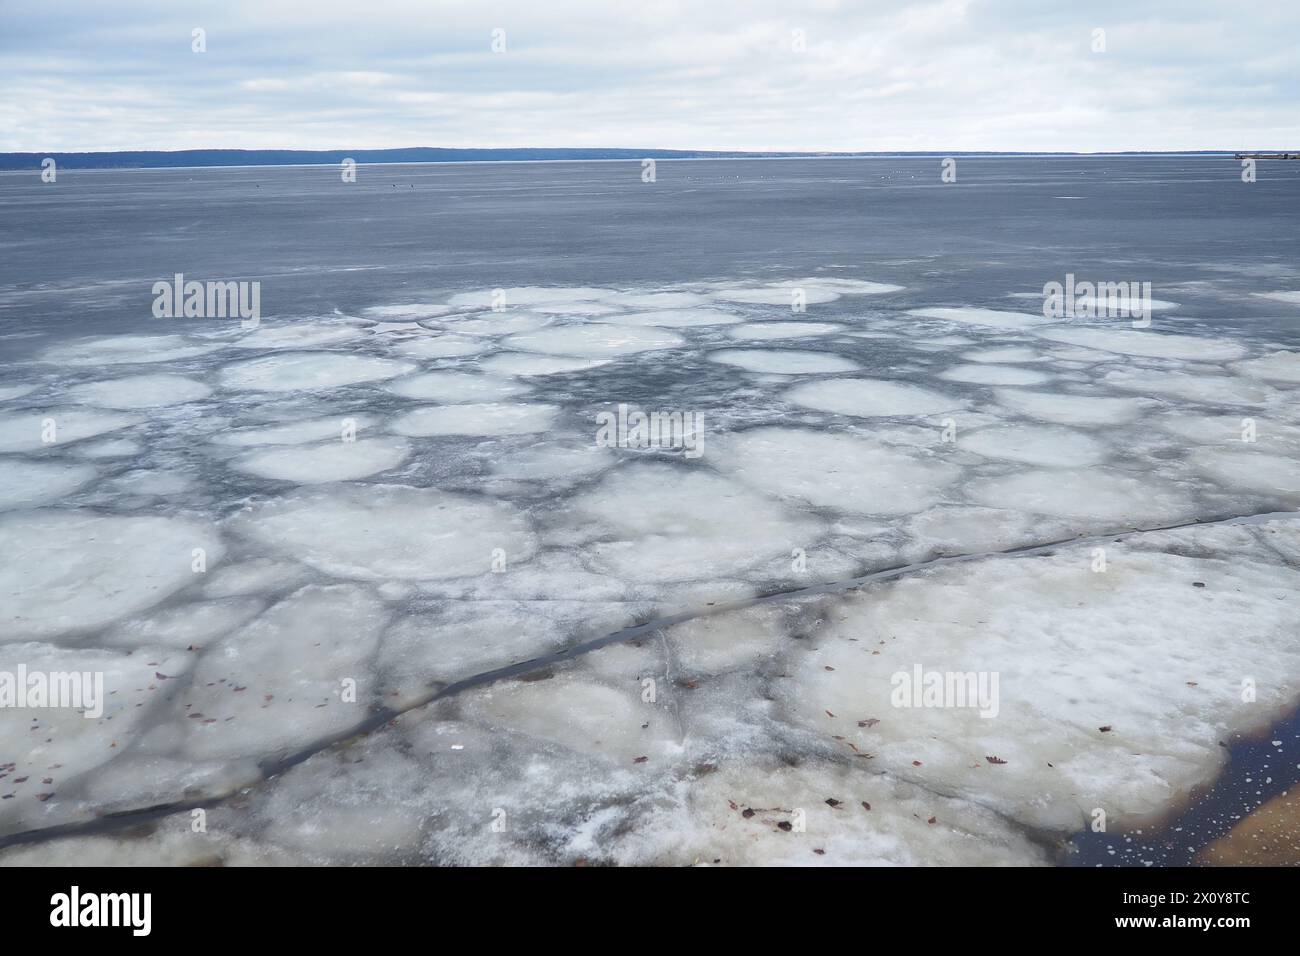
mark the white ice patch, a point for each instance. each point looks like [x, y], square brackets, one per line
[1148, 344]
[677, 318]
[281, 681]
[439, 346]
[658, 300]
[1275, 367]
[456, 387]
[777, 295]
[76, 570]
[594, 340]
[994, 375]
[305, 335]
[24, 484]
[1114, 688]
[768, 331]
[1007, 355]
[139, 391]
[991, 318]
[1043, 445]
[373, 532]
[1289, 297]
[574, 308]
[1095, 494]
[1201, 388]
[1250, 469]
[1071, 409]
[783, 361]
[329, 461]
[526, 295]
[294, 433]
[8, 392]
[521, 363]
[972, 530]
[28, 430]
[410, 311]
[127, 350]
[552, 462]
[475, 419]
[835, 471]
[678, 524]
[185, 626]
[494, 323]
[307, 371]
[109, 448]
[872, 398]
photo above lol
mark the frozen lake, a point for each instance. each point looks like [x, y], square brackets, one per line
[310, 559]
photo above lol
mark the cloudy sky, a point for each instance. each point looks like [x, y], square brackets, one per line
[709, 74]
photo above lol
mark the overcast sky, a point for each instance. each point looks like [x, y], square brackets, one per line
[708, 74]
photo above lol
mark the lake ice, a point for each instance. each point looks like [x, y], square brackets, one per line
[385, 539]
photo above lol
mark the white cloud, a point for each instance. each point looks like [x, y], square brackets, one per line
[944, 75]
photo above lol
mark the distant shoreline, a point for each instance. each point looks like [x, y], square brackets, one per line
[219, 158]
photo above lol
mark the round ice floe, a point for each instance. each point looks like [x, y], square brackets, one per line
[1290, 297]
[677, 318]
[1110, 497]
[75, 570]
[1070, 409]
[767, 331]
[409, 311]
[145, 481]
[1233, 430]
[1205, 389]
[32, 430]
[454, 387]
[835, 471]
[574, 308]
[526, 295]
[658, 300]
[16, 391]
[328, 461]
[274, 684]
[783, 361]
[295, 433]
[668, 523]
[871, 398]
[380, 531]
[1249, 469]
[140, 391]
[109, 448]
[475, 419]
[994, 375]
[496, 323]
[1149, 344]
[295, 371]
[127, 350]
[1044, 445]
[1275, 367]
[1007, 355]
[550, 462]
[993, 318]
[972, 530]
[303, 335]
[1090, 689]
[521, 363]
[27, 483]
[595, 339]
[436, 346]
[777, 295]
